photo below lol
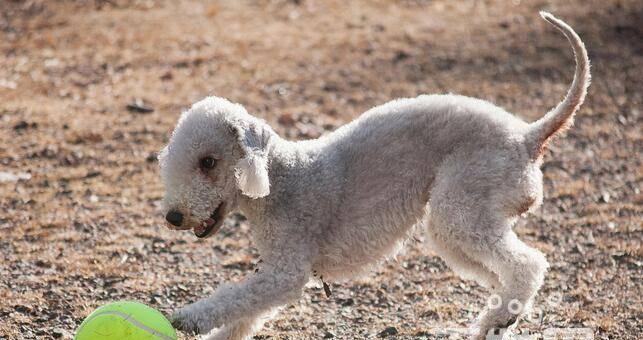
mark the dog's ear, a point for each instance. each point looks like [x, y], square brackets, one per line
[251, 171]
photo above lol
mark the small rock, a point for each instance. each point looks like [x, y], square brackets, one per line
[605, 196]
[401, 55]
[59, 333]
[328, 335]
[92, 174]
[23, 125]
[286, 119]
[346, 302]
[12, 85]
[151, 157]
[431, 314]
[10, 177]
[167, 76]
[42, 264]
[388, 331]
[22, 309]
[139, 106]
[156, 299]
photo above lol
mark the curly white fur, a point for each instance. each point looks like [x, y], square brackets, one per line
[335, 206]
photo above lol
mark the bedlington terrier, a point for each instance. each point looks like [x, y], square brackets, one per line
[461, 168]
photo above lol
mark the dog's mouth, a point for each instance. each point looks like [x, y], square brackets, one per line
[212, 224]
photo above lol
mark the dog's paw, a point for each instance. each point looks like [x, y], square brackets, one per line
[512, 320]
[492, 334]
[190, 323]
[489, 333]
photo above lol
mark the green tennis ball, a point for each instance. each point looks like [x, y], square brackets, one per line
[125, 320]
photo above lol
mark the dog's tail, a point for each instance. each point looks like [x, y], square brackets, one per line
[561, 118]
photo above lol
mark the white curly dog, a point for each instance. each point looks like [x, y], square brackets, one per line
[333, 207]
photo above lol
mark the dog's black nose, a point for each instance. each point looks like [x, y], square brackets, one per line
[174, 217]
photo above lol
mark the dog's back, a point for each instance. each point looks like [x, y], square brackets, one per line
[388, 159]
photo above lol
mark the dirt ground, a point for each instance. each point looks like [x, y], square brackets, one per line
[80, 223]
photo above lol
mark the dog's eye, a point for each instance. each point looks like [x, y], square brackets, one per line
[207, 162]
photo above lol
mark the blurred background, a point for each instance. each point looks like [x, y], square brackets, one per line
[90, 91]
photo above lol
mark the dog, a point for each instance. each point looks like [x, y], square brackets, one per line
[334, 207]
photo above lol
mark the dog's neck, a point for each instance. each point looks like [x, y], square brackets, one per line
[284, 160]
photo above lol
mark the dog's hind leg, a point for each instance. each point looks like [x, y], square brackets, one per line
[476, 238]
[461, 263]
[521, 270]
[512, 269]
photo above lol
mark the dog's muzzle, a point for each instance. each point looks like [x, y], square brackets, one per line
[212, 224]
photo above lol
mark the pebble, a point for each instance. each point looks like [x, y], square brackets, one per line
[139, 106]
[59, 333]
[388, 331]
[11, 177]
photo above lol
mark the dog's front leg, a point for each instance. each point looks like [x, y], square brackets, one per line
[277, 283]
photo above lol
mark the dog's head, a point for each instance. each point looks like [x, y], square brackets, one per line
[216, 153]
